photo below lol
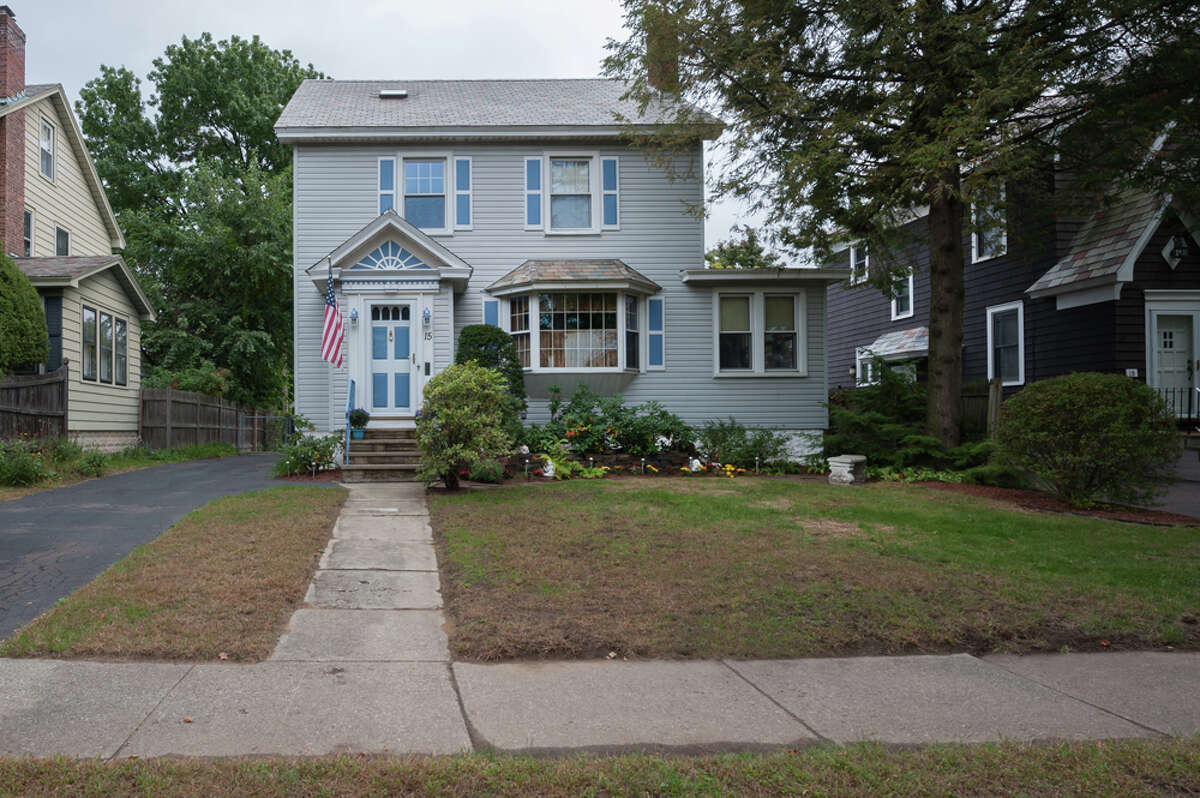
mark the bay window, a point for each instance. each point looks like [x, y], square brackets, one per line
[579, 331]
[759, 333]
[518, 325]
[632, 348]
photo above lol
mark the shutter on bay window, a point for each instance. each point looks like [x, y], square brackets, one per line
[655, 332]
[491, 312]
[533, 193]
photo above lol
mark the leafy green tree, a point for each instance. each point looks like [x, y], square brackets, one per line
[462, 421]
[24, 341]
[842, 117]
[203, 192]
[744, 252]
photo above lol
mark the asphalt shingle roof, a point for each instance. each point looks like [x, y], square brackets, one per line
[901, 343]
[567, 271]
[64, 268]
[1104, 241]
[463, 103]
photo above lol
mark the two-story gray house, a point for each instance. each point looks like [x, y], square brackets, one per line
[518, 203]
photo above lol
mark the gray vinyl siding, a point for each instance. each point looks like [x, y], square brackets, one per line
[335, 196]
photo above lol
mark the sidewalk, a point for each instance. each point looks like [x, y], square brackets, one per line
[365, 668]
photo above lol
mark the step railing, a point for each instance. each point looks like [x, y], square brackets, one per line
[346, 439]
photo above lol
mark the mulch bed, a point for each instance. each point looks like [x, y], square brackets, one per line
[1044, 502]
[332, 475]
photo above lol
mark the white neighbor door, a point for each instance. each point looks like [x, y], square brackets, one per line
[1174, 359]
[392, 381]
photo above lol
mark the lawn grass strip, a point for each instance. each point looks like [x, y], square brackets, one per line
[224, 580]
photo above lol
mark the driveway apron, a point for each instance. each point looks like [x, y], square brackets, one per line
[56, 541]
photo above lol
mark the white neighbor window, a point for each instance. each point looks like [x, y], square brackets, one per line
[47, 150]
[865, 367]
[860, 265]
[1006, 343]
[759, 333]
[989, 238]
[902, 302]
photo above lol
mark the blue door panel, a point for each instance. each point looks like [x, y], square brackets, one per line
[402, 349]
[379, 343]
[379, 386]
[401, 390]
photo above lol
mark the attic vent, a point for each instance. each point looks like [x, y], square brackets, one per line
[393, 94]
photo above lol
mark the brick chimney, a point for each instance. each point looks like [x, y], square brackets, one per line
[12, 134]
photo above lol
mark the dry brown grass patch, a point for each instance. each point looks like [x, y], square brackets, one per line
[224, 580]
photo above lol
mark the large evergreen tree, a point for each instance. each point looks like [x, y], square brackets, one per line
[843, 117]
[203, 192]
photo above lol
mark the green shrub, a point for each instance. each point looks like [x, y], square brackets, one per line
[490, 471]
[91, 464]
[593, 424]
[20, 465]
[884, 421]
[307, 454]
[493, 348]
[359, 418]
[62, 451]
[996, 475]
[462, 421]
[728, 442]
[24, 341]
[205, 378]
[1091, 436]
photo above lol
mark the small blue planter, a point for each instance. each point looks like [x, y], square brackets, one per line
[357, 434]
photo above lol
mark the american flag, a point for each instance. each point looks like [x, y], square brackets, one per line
[331, 338]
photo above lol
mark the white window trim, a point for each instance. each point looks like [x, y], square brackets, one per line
[661, 333]
[1019, 306]
[758, 333]
[616, 192]
[859, 275]
[535, 334]
[912, 302]
[447, 158]
[594, 184]
[32, 231]
[47, 124]
[1003, 250]
[57, 228]
[469, 193]
[379, 190]
[864, 365]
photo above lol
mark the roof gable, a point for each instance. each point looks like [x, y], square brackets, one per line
[70, 126]
[74, 269]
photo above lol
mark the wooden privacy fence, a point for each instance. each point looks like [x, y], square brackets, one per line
[171, 418]
[981, 406]
[34, 406]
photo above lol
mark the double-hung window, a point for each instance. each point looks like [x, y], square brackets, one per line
[46, 147]
[989, 236]
[121, 365]
[760, 333]
[902, 299]
[865, 367]
[89, 343]
[27, 234]
[62, 242]
[106, 347]
[570, 194]
[860, 265]
[425, 192]
[1006, 343]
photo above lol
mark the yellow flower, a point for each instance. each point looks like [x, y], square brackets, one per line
[685, 469]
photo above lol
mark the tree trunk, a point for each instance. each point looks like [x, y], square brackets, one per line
[450, 479]
[944, 413]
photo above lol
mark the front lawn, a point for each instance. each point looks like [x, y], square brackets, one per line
[1133, 769]
[760, 567]
[224, 580]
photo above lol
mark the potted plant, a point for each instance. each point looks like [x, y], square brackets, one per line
[358, 421]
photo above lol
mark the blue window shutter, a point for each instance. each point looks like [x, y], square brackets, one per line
[462, 193]
[610, 191]
[533, 192]
[491, 312]
[387, 184]
[655, 333]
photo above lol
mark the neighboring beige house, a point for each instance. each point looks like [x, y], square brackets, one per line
[60, 229]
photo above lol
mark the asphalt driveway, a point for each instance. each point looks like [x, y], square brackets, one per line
[56, 541]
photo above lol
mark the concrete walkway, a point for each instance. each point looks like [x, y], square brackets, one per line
[365, 668]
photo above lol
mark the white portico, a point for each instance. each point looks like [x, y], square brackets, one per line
[395, 288]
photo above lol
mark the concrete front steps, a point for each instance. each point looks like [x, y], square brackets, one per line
[383, 455]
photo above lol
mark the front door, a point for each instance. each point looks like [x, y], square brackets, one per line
[392, 359]
[1174, 361]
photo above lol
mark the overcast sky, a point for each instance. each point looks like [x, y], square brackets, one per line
[68, 40]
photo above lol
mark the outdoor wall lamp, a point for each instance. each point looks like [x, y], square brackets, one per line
[427, 317]
[354, 318]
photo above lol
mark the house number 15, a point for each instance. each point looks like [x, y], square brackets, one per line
[429, 335]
